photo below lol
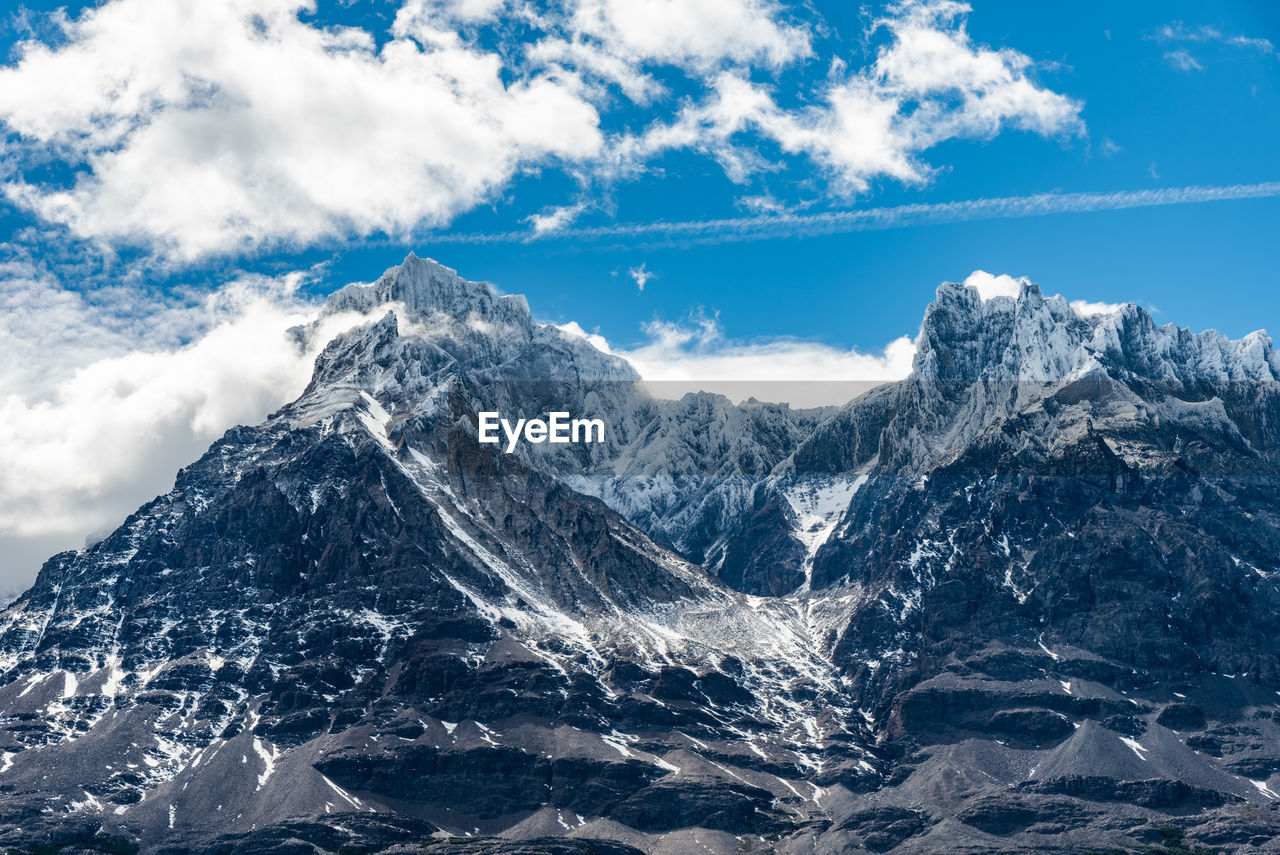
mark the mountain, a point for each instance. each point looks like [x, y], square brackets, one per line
[1023, 600]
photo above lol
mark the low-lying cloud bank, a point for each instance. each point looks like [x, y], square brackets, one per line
[100, 403]
[677, 358]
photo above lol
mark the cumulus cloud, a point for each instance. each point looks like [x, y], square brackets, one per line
[46, 330]
[217, 127]
[196, 129]
[991, 285]
[456, 11]
[930, 83]
[112, 411]
[1087, 308]
[676, 358]
[695, 35]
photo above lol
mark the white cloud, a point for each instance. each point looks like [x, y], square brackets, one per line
[1177, 31]
[198, 128]
[764, 203]
[598, 63]
[641, 276]
[1086, 308]
[1264, 46]
[101, 429]
[555, 219]
[1208, 37]
[1003, 285]
[932, 55]
[733, 106]
[597, 341]
[457, 11]
[676, 352]
[990, 285]
[696, 35]
[217, 127]
[930, 83]
[782, 223]
[1183, 60]
[46, 330]
[676, 358]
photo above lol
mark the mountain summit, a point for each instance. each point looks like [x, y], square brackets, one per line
[1022, 600]
[1038, 338]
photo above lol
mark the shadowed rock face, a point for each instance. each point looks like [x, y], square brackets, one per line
[1023, 600]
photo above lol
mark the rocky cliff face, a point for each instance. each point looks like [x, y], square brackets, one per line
[1024, 600]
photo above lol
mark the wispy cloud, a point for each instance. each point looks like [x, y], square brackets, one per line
[1183, 60]
[555, 219]
[1178, 33]
[641, 276]
[871, 219]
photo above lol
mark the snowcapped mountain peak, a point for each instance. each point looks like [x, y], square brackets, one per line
[420, 318]
[426, 288]
[971, 333]
[982, 361]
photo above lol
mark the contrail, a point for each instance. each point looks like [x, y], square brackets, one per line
[868, 219]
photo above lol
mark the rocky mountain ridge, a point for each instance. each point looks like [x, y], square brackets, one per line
[1022, 600]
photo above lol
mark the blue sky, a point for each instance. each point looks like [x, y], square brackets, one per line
[1210, 265]
[183, 179]
[1169, 95]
